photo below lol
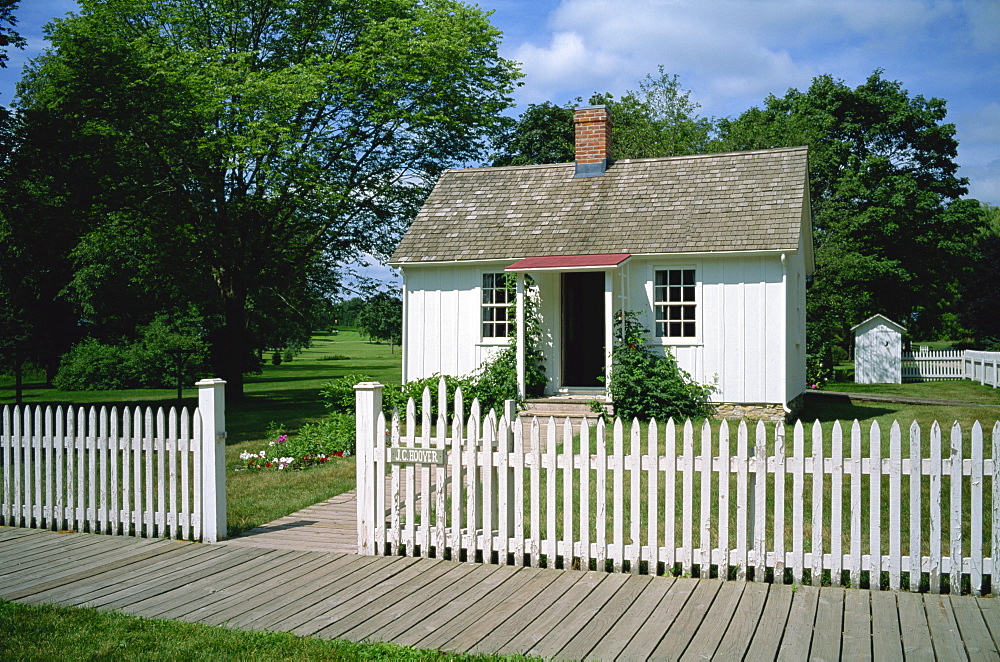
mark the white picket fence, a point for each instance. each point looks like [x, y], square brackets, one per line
[933, 365]
[136, 472]
[755, 511]
[982, 367]
[936, 365]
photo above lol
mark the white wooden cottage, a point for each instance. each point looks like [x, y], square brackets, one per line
[713, 251]
[878, 351]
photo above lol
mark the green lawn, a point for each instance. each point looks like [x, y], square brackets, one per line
[60, 633]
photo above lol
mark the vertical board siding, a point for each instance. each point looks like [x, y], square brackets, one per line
[780, 509]
[102, 471]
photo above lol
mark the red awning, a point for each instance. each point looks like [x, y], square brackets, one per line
[569, 262]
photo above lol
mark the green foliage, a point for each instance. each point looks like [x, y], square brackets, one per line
[8, 36]
[892, 235]
[92, 365]
[658, 119]
[544, 133]
[980, 311]
[645, 384]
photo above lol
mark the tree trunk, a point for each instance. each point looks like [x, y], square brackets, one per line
[231, 350]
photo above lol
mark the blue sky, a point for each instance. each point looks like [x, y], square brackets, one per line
[732, 53]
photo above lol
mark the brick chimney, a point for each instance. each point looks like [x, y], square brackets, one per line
[593, 140]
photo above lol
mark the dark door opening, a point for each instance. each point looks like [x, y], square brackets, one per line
[583, 328]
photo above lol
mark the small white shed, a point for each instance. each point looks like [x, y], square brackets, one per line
[878, 351]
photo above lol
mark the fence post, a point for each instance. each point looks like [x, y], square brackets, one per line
[510, 413]
[212, 405]
[368, 405]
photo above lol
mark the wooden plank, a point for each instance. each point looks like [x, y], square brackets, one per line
[706, 640]
[581, 616]
[90, 579]
[772, 623]
[447, 581]
[990, 611]
[739, 632]
[688, 622]
[648, 637]
[797, 637]
[857, 637]
[100, 584]
[492, 620]
[886, 636]
[359, 574]
[541, 622]
[945, 634]
[520, 612]
[895, 508]
[614, 640]
[290, 565]
[973, 629]
[829, 619]
[287, 564]
[604, 618]
[410, 578]
[913, 628]
[450, 621]
[316, 585]
[182, 574]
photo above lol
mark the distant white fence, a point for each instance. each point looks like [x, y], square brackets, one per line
[982, 367]
[936, 365]
[137, 473]
[483, 489]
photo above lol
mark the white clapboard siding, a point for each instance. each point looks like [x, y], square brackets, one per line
[806, 513]
[105, 470]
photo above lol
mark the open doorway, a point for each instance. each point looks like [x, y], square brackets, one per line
[583, 319]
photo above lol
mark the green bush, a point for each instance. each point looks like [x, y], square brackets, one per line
[648, 385]
[142, 363]
[93, 366]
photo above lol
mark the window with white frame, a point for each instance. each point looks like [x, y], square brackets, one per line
[496, 302]
[675, 303]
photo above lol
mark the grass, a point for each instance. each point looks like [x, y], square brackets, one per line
[287, 394]
[63, 633]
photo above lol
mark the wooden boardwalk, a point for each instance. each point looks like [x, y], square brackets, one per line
[465, 607]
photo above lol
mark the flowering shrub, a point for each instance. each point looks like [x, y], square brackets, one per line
[315, 444]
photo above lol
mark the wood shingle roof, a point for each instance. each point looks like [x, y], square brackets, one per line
[740, 201]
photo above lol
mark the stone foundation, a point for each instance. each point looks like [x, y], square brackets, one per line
[759, 411]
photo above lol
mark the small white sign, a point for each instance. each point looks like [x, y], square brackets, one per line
[399, 455]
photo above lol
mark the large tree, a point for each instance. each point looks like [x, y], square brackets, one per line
[891, 229]
[238, 147]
